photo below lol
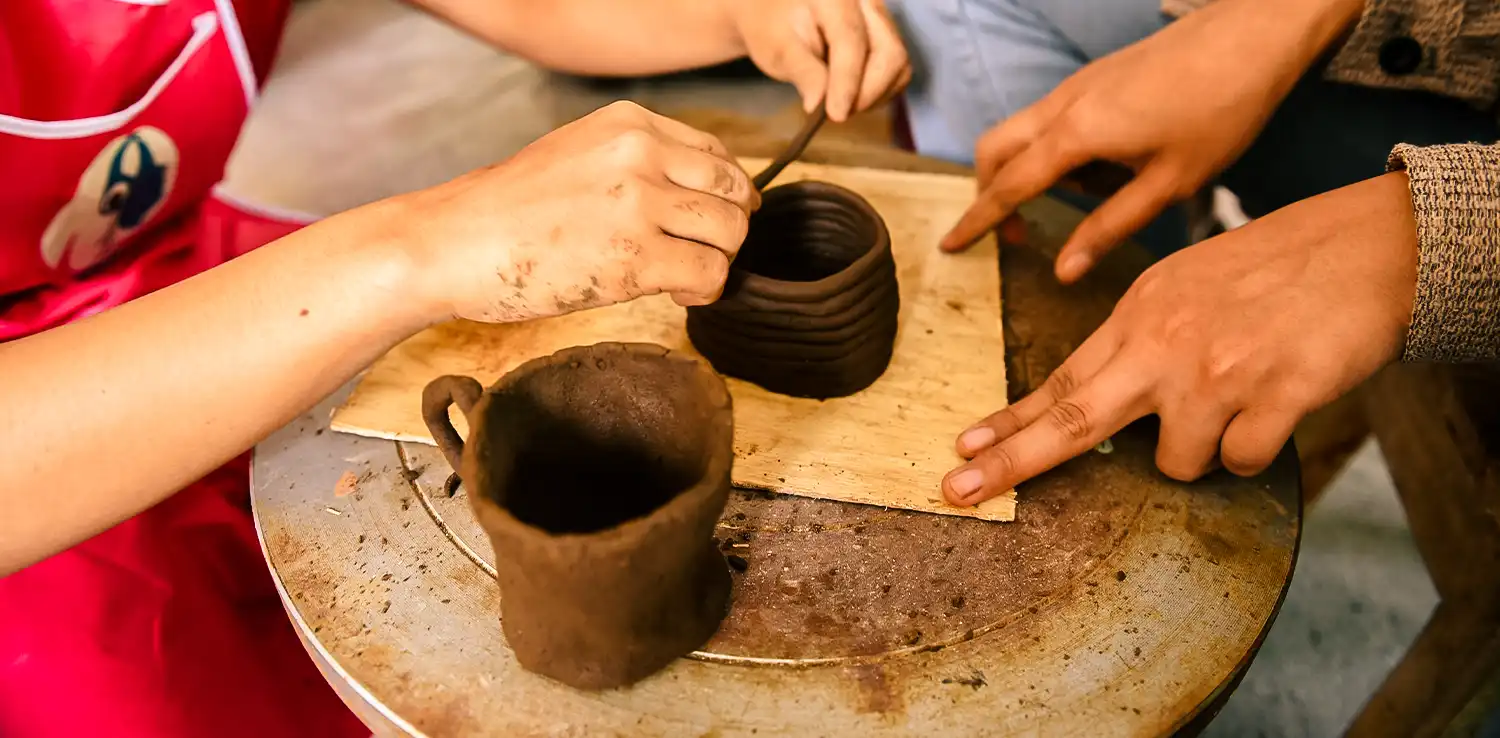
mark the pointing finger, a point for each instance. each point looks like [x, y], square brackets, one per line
[1026, 176]
[1069, 427]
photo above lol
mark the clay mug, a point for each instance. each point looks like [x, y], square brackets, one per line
[598, 474]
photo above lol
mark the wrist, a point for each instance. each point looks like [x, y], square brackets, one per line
[1325, 23]
[381, 253]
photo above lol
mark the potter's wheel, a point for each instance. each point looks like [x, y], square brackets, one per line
[1119, 603]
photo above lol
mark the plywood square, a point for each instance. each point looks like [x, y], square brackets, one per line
[889, 445]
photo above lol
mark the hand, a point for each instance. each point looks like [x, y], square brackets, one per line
[619, 204]
[790, 39]
[1175, 108]
[1231, 342]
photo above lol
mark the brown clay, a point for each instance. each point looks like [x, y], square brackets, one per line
[811, 304]
[598, 473]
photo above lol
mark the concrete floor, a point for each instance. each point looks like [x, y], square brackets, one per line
[371, 99]
[1359, 597]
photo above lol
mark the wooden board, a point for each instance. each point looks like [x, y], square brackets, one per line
[889, 445]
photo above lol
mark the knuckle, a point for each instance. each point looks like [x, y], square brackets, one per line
[634, 146]
[1014, 129]
[713, 266]
[728, 181]
[1180, 469]
[625, 110]
[1246, 460]
[1071, 419]
[713, 143]
[1181, 187]
[1061, 383]
[1220, 368]
[633, 194]
[738, 226]
[1148, 284]
[998, 462]
[899, 58]
[1071, 128]
[1004, 423]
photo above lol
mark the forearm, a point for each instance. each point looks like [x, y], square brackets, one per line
[1306, 29]
[601, 37]
[106, 417]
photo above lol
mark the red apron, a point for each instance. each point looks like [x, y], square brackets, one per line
[116, 120]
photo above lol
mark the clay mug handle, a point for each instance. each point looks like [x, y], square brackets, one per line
[437, 397]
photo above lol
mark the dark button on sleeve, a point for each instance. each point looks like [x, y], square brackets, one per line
[1400, 56]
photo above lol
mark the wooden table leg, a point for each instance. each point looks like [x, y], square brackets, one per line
[1439, 428]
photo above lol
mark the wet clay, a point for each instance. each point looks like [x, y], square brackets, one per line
[598, 474]
[811, 303]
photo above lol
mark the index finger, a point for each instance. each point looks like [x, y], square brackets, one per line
[888, 65]
[1072, 425]
[843, 26]
[1011, 136]
[1029, 174]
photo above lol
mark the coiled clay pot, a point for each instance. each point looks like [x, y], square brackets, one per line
[598, 473]
[810, 306]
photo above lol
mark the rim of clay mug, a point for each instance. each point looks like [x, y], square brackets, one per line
[720, 429]
[820, 289]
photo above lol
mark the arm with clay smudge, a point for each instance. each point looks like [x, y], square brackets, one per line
[103, 418]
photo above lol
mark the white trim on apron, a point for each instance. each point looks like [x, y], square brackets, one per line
[205, 26]
[238, 50]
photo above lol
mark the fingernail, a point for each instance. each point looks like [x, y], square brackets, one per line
[966, 483]
[1074, 266]
[977, 438]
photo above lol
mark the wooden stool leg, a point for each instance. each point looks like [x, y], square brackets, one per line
[1452, 659]
[1326, 440]
[1439, 428]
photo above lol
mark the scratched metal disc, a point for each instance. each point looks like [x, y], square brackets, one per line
[1118, 602]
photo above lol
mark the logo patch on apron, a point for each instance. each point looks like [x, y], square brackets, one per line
[121, 189]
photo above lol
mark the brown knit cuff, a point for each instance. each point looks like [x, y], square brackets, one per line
[1455, 191]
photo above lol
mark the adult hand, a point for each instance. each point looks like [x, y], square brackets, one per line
[1231, 342]
[619, 204]
[790, 40]
[1175, 108]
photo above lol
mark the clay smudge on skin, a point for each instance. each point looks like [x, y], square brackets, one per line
[723, 181]
[626, 245]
